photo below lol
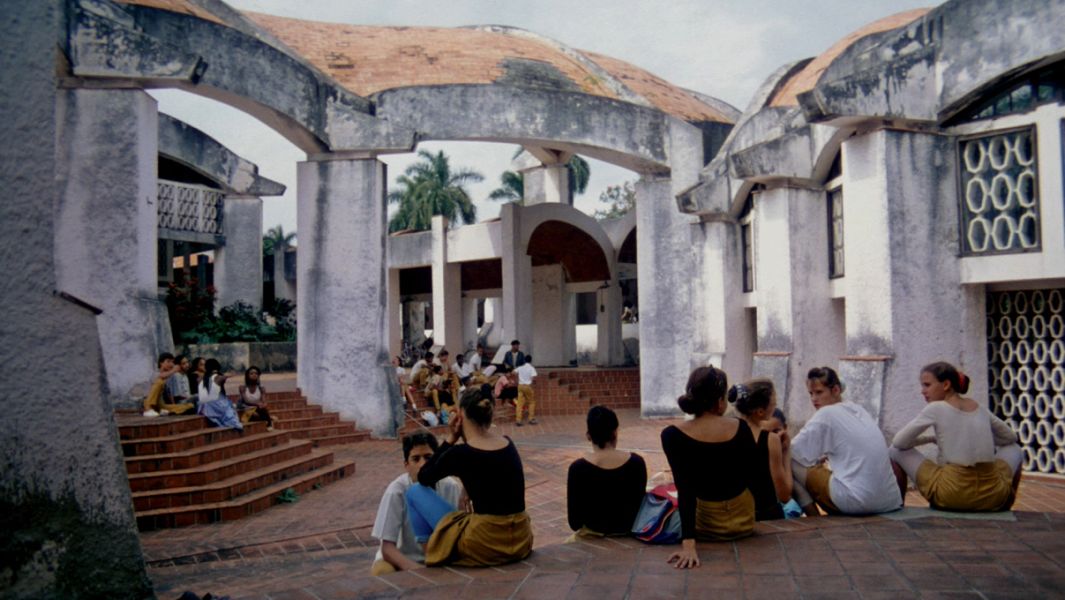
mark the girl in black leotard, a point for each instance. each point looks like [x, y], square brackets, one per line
[771, 479]
[712, 460]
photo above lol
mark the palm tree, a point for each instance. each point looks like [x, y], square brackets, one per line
[512, 190]
[276, 237]
[578, 172]
[429, 187]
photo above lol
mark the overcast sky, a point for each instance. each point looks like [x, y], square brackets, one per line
[724, 48]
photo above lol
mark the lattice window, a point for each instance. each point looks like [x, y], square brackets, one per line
[835, 233]
[747, 239]
[999, 193]
[184, 207]
[1021, 94]
[1026, 371]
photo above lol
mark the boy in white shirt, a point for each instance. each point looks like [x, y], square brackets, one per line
[399, 550]
[526, 372]
[860, 480]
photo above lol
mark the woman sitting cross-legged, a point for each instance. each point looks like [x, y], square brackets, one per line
[978, 467]
[498, 530]
[605, 487]
[214, 404]
[252, 400]
[712, 460]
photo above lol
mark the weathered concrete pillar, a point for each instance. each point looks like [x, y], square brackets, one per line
[546, 183]
[238, 266]
[342, 332]
[414, 322]
[664, 267]
[493, 313]
[64, 492]
[517, 281]
[905, 306]
[469, 324]
[551, 318]
[447, 291]
[797, 325]
[721, 336]
[107, 226]
[283, 287]
[609, 351]
[394, 314]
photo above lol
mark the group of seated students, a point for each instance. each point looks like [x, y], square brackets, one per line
[729, 471]
[171, 393]
[441, 382]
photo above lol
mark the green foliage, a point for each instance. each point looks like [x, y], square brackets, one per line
[288, 496]
[192, 320]
[189, 305]
[430, 187]
[620, 200]
[512, 188]
[276, 237]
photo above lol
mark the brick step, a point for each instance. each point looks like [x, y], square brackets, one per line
[287, 404]
[313, 433]
[285, 395]
[214, 471]
[344, 438]
[310, 410]
[245, 505]
[208, 453]
[305, 422]
[180, 442]
[135, 427]
[232, 487]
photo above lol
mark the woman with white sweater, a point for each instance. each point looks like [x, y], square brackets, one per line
[978, 465]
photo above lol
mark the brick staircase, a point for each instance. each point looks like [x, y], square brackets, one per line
[182, 471]
[574, 391]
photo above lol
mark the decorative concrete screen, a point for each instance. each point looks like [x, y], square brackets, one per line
[835, 233]
[999, 191]
[185, 207]
[1026, 374]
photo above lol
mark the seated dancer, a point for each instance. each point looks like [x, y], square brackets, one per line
[252, 399]
[498, 530]
[399, 551]
[771, 483]
[155, 403]
[858, 479]
[403, 381]
[439, 389]
[214, 404]
[712, 459]
[177, 390]
[506, 386]
[778, 423]
[605, 487]
[978, 467]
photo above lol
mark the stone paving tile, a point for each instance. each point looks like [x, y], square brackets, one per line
[320, 546]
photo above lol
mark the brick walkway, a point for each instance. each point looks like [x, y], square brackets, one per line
[320, 547]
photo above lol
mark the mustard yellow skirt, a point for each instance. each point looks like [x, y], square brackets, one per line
[725, 520]
[475, 540]
[983, 487]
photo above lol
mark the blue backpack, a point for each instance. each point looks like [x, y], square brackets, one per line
[658, 521]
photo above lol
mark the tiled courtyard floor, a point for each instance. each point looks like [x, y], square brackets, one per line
[320, 547]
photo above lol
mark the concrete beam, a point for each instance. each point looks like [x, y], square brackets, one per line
[193, 148]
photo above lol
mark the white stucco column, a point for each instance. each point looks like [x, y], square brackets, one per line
[517, 281]
[238, 266]
[905, 306]
[342, 332]
[553, 323]
[106, 227]
[447, 291]
[493, 313]
[469, 325]
[609, 351]
[414, 322]
[719, 321]
[394, 314]
[798, 327]
[283, 287]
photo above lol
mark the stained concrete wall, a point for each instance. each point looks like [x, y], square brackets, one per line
[106, 225]
[342, 337]
[63, 489]
[238, 265]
